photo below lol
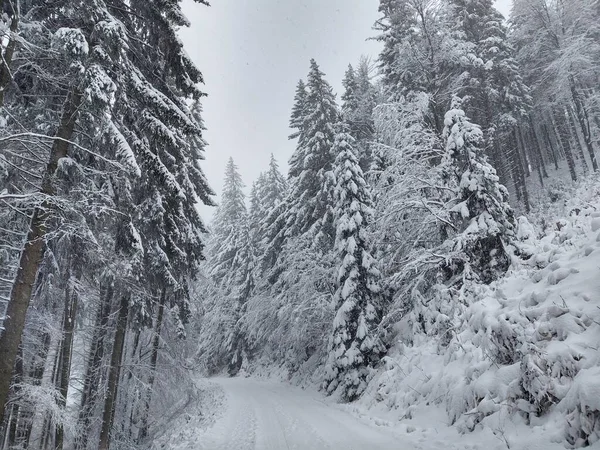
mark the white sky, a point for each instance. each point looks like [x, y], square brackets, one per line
[252, 54]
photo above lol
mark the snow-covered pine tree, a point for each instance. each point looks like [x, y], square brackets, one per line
[488, 78]
[298, 111]
[313, 157]
[349, 97]
[558, 48]
[257, 208]
[266, 200]
[482, 219]
[416, 53]
[308, 200]
[275, 186]
[355, 346]
[226, 228]
[359, 100]
[244, 284]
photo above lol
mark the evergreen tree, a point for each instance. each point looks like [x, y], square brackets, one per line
[558, 49]
[298, 111]
[308, 201]
[349, 97]
[244, 284]
[267, 202]
[275, 186]
[258, 208]
[489, 74]
[355, 346]
[483, 219]
[417, 53]
[313, 157]
[227, 226]
[357, 110]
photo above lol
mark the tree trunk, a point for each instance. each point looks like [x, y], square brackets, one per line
[91, 383]
[32, 253]
[576, 141]
[113, 375]
[584, 123]
[520, 172]
[36, 375]
[153, 359]
[133, 397]
[12, 424]
[5, 72]
[538, 149]
[552, 145]
[71, 301]
[562, 135]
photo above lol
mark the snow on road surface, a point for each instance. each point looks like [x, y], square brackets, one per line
[266, 415]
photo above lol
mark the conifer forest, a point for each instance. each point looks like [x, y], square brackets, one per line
[422, 273]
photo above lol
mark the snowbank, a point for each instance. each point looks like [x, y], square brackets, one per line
[523, 366]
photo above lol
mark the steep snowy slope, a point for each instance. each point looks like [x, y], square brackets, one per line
[523, 362]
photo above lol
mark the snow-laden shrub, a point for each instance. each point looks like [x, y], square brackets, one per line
[523, 349]
[582, 406]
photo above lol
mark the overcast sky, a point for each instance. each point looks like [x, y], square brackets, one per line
[252, 54]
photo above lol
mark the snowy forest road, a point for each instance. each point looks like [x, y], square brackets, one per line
[262, 415]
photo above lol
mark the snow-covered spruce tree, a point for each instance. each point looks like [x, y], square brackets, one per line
[298, 110]
[244, 284]
[313, 157]
[307, 201]
[226, 227]
[231, 261]
[488, 78]
[489, 73]
[558, 48]
[257, 210]
[295, 266]
[355, 346]
[416, 53]
[275, 186]
[86, 87]
[359, 99]
[482, 220]
[266, 201]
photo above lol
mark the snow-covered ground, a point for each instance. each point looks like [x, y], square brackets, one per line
[269, 415]
[524, 365]
[523, 371]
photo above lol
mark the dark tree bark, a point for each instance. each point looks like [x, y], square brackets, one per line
[33, 251]
[552, 145]
[71, 301]
[113, 375]
[12, 424]
[7, 57]
[520, 171]
[576, 141]
[153, 361]
[584, 122]
[562, 136]
[538, 149]
[93, 373]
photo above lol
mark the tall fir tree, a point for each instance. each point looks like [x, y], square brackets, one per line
[359, 101]
[483, 220]
[416, 53]
[313, 157]
[298, 110]
[226, 228]
[355, 345]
